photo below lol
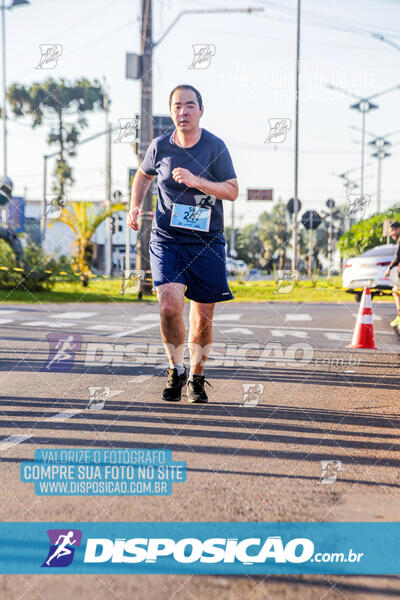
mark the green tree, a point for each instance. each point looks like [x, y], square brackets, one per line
[65, 105]
[367, 234]
[83, 219]
[275, 233]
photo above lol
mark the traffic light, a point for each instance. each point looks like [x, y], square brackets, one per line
[6, 186]
[112, 225]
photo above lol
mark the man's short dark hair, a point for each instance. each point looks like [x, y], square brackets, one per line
[185, 86]
[395, 225]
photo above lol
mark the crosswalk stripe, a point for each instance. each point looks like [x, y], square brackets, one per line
[338, 337]
[73, 315]
[132, 331]
[50, 324]
[294, 333]
[230, 317]
[4, 321]
[298, 317]
[105, 327]
[14, 440]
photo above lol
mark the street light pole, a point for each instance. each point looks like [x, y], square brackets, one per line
[146, 135]
[363, 105]
[380, 143]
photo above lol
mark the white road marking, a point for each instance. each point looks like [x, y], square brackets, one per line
[242, 330]
[148, 317]
[73, 315]
[4, 321]
[298, 317]
[62, 416]
[6, 311]
[105, 327]
[51, 324]
[310, 328]
[338, 337]
[230, 317]
[131, 331]
[14, 440]
[294, 333]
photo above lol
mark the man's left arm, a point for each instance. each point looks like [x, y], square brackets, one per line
[222, 190]
[224, 185]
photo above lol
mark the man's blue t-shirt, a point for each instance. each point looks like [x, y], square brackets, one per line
[209, 158]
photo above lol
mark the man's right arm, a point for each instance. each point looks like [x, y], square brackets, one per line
[140, 186]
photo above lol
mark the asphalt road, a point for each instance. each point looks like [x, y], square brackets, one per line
[248, 458]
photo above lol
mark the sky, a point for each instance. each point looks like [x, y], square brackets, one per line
[250, 79]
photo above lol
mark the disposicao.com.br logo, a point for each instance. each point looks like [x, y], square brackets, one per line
[247, 551]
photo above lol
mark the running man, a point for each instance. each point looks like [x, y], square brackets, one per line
[187, 246]
[63, 347]
[62, 549]
[394, 232]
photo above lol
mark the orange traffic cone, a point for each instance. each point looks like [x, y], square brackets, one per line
[363, 336]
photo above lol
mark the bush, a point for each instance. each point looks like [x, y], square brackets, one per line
[40, 270]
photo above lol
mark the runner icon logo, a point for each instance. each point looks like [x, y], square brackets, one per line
[62, 547]
[63, 347]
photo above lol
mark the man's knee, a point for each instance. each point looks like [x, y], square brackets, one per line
[201, 321]
[169, 311]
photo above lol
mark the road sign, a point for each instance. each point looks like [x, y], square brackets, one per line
[255, 194]
[311, 219]
[133, 66]
[330, 203]
[290, 205]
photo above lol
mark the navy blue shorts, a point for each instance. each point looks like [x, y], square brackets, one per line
[201, 267]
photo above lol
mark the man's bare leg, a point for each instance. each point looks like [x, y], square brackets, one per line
[171, 301]
[200, 335]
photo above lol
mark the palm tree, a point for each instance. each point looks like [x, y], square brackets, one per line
[83, 218]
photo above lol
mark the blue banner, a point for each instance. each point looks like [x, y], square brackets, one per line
[201, 548]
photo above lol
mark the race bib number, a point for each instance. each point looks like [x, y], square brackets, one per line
[191, 217]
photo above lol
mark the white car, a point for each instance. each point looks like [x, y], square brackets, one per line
[368, 269]
[235, 267]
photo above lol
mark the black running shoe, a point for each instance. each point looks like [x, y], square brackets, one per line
[173, 391]
[195, 390]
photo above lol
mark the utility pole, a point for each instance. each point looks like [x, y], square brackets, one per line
[108, 223]
[146, 135]
[330, 204]
[380, 144]
[364, 105]
[380, 154]
[296, 147]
